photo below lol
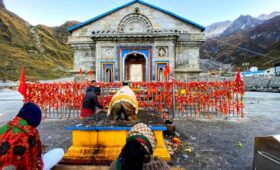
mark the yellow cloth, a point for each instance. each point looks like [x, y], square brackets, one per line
[125, 94]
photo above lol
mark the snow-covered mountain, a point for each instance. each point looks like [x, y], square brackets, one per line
[242, 23]
[258, 45]
[268, 16]
[216, 28]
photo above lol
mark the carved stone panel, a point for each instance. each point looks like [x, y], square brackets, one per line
[182, 61]
[187, 58]
[84, 58]
[135, 23]
[194, 57]
[107, 52]
[135, 26]
[84, 62]
[162, 51]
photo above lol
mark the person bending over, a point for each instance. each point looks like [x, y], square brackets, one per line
[90, 103]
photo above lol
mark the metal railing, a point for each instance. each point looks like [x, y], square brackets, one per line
[174, 99]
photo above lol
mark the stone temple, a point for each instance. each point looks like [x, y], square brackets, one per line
[136, 42]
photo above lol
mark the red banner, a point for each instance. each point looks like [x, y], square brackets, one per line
[22, 84]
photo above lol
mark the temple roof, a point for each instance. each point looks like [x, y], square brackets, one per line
[128, 4]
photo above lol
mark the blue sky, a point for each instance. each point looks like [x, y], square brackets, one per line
[204, 12]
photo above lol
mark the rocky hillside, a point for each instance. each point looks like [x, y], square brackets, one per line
[212, 65]
[59, 32]
[247, 39]
[41, 49]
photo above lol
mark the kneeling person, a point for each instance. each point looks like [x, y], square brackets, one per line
[124, 105]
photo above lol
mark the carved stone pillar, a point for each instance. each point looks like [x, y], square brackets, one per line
[84, 58]
[187, 56]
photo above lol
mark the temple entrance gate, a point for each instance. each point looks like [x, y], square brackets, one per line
[135, 67]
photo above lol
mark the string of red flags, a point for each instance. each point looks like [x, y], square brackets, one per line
[222, 97]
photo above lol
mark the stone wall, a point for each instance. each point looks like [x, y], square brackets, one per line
[187, 56]
[173, 41]
[265, 84]
[261, 83]
[84, 56]
[159, 20]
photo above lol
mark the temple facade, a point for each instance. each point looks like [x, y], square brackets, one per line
[136, 42]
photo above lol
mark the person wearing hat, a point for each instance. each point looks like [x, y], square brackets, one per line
[20, 145]
[137, 154]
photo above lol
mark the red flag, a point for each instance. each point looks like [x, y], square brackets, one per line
[90, 72]
[22, 84]
[166, 72]
[238, 76]
[81, 71]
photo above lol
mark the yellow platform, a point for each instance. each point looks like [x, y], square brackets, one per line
[82, 167]
[102, 145]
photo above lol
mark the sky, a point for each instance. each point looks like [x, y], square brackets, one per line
[203, 12]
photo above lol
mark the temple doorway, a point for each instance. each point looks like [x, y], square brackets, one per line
[108, 75]
[135, 67]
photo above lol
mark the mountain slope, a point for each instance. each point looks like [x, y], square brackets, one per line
[258, 45]
[216, 29]
[268, 16]
[61, 32]
[212, 65]
[40, 49]
[241, 23]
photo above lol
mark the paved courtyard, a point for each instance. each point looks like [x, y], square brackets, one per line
[217, 144]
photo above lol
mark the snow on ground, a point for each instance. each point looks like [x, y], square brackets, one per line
[10, 103]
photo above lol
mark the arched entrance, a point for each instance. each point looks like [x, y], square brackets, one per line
[108, 75]
[135, 67]
[161, 74]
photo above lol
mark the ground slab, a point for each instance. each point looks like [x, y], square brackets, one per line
[217, 144]
[149, 116]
